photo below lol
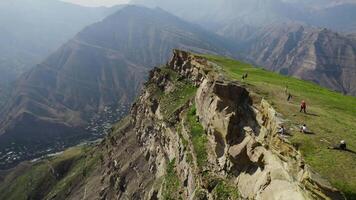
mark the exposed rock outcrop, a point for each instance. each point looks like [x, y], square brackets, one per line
[195, 134]
[266, 167]
[243, 147]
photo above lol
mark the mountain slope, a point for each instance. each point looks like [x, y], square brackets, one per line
[284, 36]
[197, 132]
[318, 55]
[82, 86]
[335, 15]
[32, 29]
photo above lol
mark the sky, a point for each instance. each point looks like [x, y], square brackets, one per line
[94, 3]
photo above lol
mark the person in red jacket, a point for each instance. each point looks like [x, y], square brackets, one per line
[303, 107]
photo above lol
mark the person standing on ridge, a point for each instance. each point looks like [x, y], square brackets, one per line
[289, 97]
[303, 107]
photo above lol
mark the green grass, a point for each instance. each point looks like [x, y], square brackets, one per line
[199, 138]
[77, 174]
[40, 182]
[178, 94]
[220, 188]
[171, 183]
[332, 118]
[177, 97]
[224, 191]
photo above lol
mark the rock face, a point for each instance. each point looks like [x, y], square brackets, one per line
[154, 155]
[246, 143]
[194, 134]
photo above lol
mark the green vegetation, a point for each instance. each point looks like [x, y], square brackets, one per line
[331, 117]
[199, 138]
[200, 194]
[184, 141]
[220, 188]
[224, 191]
[50, 177]
[77, 174]
[171, 183]
[180, 94]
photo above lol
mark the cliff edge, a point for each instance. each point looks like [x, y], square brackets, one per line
[195, 133]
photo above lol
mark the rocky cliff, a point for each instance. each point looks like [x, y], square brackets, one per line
[195, 134]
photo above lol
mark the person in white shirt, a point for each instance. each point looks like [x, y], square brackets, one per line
[304, 129]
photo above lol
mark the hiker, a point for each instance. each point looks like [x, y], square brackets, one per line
[289, 97]
[282, 130]
[340, 146]
[304, 129]
[246, 75]
[303, 107]
[243, 77]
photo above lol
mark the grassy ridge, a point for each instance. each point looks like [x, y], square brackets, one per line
[331, 117]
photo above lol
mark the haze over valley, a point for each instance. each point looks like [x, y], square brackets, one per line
[167, 82]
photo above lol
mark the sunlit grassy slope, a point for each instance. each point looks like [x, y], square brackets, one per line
[331, 117]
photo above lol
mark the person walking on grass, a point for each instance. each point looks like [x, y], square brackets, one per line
[303, 107]
[289, 97]
[244, 76]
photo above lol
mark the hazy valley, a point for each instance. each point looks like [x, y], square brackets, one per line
[156, 102]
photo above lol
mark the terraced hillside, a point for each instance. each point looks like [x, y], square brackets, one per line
[198, 131]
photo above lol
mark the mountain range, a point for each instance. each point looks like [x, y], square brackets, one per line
[197, 132]
[308, 40]
[92, 79]
[332, 14]
[195, 123]
[315, 54]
